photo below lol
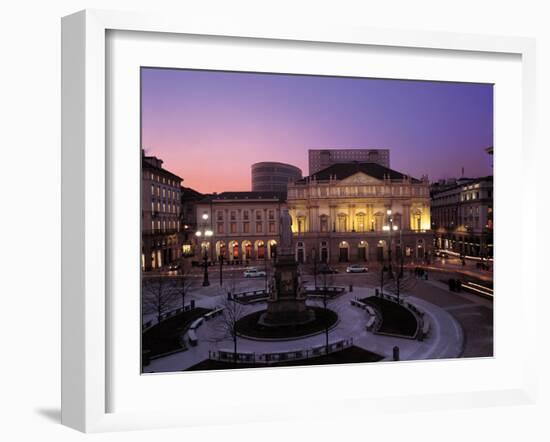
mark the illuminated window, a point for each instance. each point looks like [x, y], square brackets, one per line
[220, 227]
[360, 222]
[246, 227]
[271, 227]
[258, 227]
[341, 223]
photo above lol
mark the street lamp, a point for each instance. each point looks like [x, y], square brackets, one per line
[206, 233]
[314, 253]
[390, 228]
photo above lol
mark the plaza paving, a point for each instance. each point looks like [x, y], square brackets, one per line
[461, 324]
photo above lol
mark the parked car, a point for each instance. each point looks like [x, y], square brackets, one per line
[356, 268]
[173, 267]
[327, 269]
[441, 254]
[253, 273]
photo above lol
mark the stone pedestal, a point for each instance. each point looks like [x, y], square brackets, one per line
[286, 305]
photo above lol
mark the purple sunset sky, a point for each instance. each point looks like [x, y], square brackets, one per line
[209, 127]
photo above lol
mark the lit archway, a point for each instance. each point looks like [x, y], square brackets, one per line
[259, 247]
[221, 250]
[363, 251]
[272, 249]
[234, 250]
[247, 249]
[381, 250]
[343, 251]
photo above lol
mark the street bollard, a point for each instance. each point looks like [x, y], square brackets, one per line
[351, 288]
[396, 353]
[376, 292]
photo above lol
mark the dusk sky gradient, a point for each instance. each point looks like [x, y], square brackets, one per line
[209, 127]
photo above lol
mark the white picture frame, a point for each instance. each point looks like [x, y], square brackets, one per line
[85, 218]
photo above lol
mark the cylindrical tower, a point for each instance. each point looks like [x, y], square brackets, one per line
[273, 176]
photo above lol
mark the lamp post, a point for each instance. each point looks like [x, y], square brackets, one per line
[390, 228]
[400, 274]
[314, 252]
[221, 269]
[206, 233]
[265, 267]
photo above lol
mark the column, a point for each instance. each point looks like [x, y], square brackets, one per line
[316, 226]
[226, 224]
[406, 216]
[368, 220]
[332, 218]
[351, 214]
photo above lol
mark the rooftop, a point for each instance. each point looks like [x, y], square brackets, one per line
[252, 195]
[341, 171]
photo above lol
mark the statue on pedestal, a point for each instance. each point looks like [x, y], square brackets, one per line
[287, 299]
[285, 231]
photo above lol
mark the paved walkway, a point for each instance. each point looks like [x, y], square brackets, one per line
[446, 339]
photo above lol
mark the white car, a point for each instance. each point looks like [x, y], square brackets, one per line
[356, 268]
[253, 273]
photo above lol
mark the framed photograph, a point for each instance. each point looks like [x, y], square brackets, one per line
[284, 215]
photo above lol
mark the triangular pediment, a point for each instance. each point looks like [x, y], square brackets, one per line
[360, 178]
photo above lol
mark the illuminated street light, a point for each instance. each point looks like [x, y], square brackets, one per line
[207, 233]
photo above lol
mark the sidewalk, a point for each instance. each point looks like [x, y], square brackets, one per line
[444, 341]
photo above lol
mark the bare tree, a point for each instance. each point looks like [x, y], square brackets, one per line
[158, 297]
[227, 325]
[325, 302]
[182, 284]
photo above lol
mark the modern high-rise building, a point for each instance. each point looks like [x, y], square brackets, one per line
[320, 159]
[273, 177]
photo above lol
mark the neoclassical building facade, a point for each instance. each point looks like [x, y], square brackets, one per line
[244, 225]
[357, 212]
